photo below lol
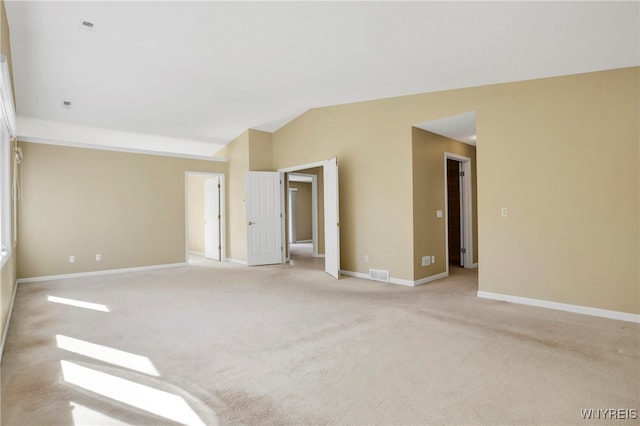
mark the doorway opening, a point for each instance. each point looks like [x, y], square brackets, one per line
[266, 201]
[459, 238]
[302, 213]
[205, 216]
[304, 217]
[455, 222]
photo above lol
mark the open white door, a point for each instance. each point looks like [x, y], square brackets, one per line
[331, 219]
[212, 249]
[264, 222]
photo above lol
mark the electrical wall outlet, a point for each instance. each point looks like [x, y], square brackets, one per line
[72, 259]
[504, 212]
[98, 257]
[426, 260]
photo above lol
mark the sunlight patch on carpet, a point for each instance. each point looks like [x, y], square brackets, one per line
[135, 362]
[160, 403]
[78, 303]
[82, 415]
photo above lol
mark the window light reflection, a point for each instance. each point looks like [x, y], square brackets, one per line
[82, 415]
[78, 303]
[117, 357]
[160, 403]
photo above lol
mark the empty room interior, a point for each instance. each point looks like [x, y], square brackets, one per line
[319, 213]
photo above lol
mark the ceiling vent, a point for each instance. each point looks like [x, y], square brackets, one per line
[87, 25]
[66, 104]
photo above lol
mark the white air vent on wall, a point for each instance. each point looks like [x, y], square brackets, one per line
[379, 275]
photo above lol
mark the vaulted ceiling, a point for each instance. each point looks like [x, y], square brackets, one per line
[190, 76]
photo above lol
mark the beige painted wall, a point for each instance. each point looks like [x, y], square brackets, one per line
[237, 151]
[251, 151]
[561, 154]
[130, 208]
[8, 273]
[261, 151]
[303, 210]
[196, 212]
[558, 152]
[429, 195]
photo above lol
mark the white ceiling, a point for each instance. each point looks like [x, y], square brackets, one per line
[195, 75]
[461, 127]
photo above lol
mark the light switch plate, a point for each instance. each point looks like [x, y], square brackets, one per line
[438, 213]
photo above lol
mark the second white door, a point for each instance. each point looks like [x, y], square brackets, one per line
[264, 220]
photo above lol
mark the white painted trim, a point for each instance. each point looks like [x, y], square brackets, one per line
[237, 261]
[197, 253]
[6, 325]
[291, 221]
[577, 309]
[43, 141]
[319, 255]
[103, 272]
[474, 265]
[431, 278]
[303, 241]
[397, 281]
[355, 274]
[301, 167]
[400, 281]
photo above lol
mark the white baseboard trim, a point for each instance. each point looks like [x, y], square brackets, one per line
[238, 261]
[577, 309]
[354, 274]
[6, 325]
[103, 272]
[474, 266]
[318, 255]
[197, 253]
[431, 278]
[398, 281]
[302, 241]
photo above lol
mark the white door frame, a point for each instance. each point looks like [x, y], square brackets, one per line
[466, 208]
[314, 208]
[223, 228]
[292, 216]
[314, 196]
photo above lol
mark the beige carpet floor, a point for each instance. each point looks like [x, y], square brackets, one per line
[214, 343]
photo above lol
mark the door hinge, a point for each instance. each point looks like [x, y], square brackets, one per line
[218, 186]
[463, 250]
[461, 173]
[218, 216]
[281, 248]
[280, 214]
